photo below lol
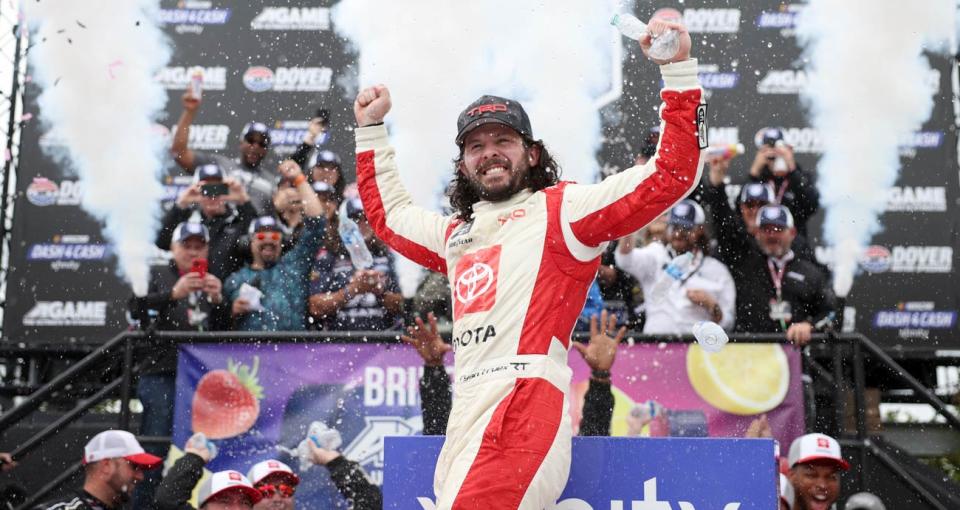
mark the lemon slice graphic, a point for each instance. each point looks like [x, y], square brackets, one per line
[741, 379]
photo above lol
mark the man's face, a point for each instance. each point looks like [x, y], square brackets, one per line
[326, 172]
[265, 246]
[231, 500]
[253, 148]
[496, 161]
[682, 239]
[817, 484]
[190, 249]
[748, 211]
[775, 240]
[122, 476]
[656, 230]
[277, 494]
[212, 206]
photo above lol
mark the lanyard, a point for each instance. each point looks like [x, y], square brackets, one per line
[782, 190]
[776, 275]
[699, 258]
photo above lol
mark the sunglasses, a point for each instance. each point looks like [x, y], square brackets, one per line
[269, 489]
[268, 235]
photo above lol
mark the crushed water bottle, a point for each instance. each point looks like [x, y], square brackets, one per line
[199, 440]
[322, 436]
[662, 47]
[353, 241]
[725, 151]
[710, 336]
[673, 273]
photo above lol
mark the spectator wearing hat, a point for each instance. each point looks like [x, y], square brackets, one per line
[343, 297]
[815, 466]
[181, 296]
[775, 166]
[248, 167]
[114, 463]
[224, 208]
[276, 482]
[704, 292]
[280, 278]
[224, 490]
[776, 290]
[730, 226]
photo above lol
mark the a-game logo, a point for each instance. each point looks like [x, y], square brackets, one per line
[917, 199]
[178, 77]
[292, 18]
[782, 81]
[67, 313]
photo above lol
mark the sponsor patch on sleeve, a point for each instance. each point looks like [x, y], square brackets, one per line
[702, 126]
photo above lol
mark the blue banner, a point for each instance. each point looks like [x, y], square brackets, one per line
[618, 473]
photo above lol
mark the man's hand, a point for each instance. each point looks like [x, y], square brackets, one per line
[190, 103]
[719, 166]
[367, 280]
[659, 26]
[314, 129]
[213, 288]
[198, 448]
[759, 427]
[602, 349]
[289, 170]
[240, 307]
[187, 283]
[426, 340]
[189, 196]
[372, 105]
[321, 456]
[763, 158]
[799, 333]
[236, 191]
[6, 462]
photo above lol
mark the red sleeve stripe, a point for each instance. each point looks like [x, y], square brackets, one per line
[377, 216]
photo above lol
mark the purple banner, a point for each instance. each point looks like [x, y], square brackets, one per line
[249, 398]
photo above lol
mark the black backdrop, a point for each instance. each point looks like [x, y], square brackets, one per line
[278, 63]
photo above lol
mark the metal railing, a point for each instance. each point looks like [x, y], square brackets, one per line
[125, 347]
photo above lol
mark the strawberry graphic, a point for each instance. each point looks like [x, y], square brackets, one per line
[227, 402]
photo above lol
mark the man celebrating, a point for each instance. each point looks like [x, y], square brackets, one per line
[521, 250]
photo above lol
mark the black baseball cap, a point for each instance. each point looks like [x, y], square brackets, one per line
[208, 172]
[265, 223]
[493, 109]
[257, 128]
[756, 192]
[776, 215]
[768, 136]
[354, 208]
[189, 229]
[326, 157]
[686, 214]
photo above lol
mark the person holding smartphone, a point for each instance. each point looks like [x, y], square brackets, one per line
[225, 210]
[183, 295]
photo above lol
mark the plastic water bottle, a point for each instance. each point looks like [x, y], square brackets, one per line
[199, 440]
[725, 151]
[662, 47]
[673, 273]
[353, 241]
[196, 83]
[324, 436]
[710, 336]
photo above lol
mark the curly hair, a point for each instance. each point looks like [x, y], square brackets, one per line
[463, 193]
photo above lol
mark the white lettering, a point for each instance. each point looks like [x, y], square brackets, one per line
[373, 390]
[712, 20]
[292, 18]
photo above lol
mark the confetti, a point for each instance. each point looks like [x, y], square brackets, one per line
[113, 65]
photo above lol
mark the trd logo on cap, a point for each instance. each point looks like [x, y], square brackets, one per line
[823, 443]
[487, 108]
[235, 476]
[273, 464]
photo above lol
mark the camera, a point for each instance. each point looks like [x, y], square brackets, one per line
[214, 189]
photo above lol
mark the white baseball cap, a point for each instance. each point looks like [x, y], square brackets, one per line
[225, 481]
[118, 444]
[261, 470]
[813, 447]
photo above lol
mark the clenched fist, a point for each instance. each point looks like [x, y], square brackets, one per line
[372, 105]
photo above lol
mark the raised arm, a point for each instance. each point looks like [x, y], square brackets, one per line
[623, 203]
[416, 233]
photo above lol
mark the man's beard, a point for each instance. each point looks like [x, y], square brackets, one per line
[519, 175]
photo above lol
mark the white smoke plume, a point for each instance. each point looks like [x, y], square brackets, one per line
[95, 64]
[867, 90]
[437, 56]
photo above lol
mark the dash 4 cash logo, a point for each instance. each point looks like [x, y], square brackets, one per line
[67, 252]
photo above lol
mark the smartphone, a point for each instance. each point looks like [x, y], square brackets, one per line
[200, 267]
[214, 189]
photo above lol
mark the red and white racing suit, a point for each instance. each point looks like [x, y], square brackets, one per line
[519, 272]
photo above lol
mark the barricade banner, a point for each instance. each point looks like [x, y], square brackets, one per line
[249, 398]
[618, 473]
